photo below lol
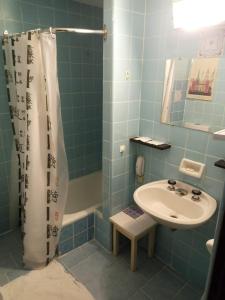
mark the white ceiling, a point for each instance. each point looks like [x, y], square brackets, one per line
[98, 3]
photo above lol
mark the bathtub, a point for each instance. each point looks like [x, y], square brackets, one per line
[84, 195]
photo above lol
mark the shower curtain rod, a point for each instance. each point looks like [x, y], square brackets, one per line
[102, 32]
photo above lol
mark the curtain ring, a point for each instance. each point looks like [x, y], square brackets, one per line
[38, 31]
[51, 32]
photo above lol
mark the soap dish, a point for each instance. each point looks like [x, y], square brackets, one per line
[191, 168]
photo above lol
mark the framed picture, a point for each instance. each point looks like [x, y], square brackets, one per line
[201, 78]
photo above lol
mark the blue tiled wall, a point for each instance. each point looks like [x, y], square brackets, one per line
[141, 93]
[80, 80]
[122, 69]
[76, 234]
[183, 250]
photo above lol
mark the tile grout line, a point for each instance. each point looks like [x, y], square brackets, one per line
[179, 290]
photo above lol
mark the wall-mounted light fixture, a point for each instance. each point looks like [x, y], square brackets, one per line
[195, 14]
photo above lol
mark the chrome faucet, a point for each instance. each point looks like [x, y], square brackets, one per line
[181, 192]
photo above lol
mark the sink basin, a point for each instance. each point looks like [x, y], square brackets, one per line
[172, 209]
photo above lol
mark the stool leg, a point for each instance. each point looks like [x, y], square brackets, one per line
[151, 242]
[133, 265]
[115, 241]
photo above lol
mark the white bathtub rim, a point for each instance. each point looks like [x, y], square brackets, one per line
[71, 218]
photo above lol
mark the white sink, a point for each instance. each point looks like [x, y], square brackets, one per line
[173, 210]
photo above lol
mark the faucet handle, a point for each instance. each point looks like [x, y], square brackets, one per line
[196, 194]
[172, 184]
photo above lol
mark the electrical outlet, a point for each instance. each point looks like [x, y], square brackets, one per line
[127, 75]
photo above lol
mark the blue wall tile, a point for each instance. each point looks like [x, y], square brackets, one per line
[122, 55]
[90, 233]
[90, 220]
[29, 13]
[11, 10]
[76, 234]
[80, 239]
[80, 225]
[66, 246]
[66, 233]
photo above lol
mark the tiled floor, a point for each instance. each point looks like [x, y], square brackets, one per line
[10, 257]
[107, 277]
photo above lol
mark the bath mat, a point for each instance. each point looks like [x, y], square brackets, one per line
[50, 283]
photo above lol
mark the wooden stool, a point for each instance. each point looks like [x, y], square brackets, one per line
[133, 229]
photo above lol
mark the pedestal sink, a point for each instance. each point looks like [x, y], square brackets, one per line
[176, 208]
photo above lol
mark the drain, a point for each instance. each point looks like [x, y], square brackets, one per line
[174, 216]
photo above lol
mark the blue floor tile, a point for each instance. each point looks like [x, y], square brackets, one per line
[10, 257]
[77, 255]
[90, 248]
[188, 293]
[13, 274]
[146, 266]
[163, 286]
[151, 267]
[139, 295]
[3, 279]
[72, 258]
[7, 264]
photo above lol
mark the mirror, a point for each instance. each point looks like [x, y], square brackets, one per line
[194, 93]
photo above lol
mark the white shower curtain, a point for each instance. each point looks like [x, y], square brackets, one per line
[33, 93]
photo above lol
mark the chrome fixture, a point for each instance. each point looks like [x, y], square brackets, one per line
[102, 32]
[171, 186]
[196, 195]
[181, 192]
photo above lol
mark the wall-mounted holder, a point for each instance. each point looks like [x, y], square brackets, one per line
[191, 168]
[197, 126]
[147, 141]
[220, 135]
[220, 163]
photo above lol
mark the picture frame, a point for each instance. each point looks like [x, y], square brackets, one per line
[201, 79]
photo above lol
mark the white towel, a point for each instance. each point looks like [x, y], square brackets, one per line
[50, 283]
